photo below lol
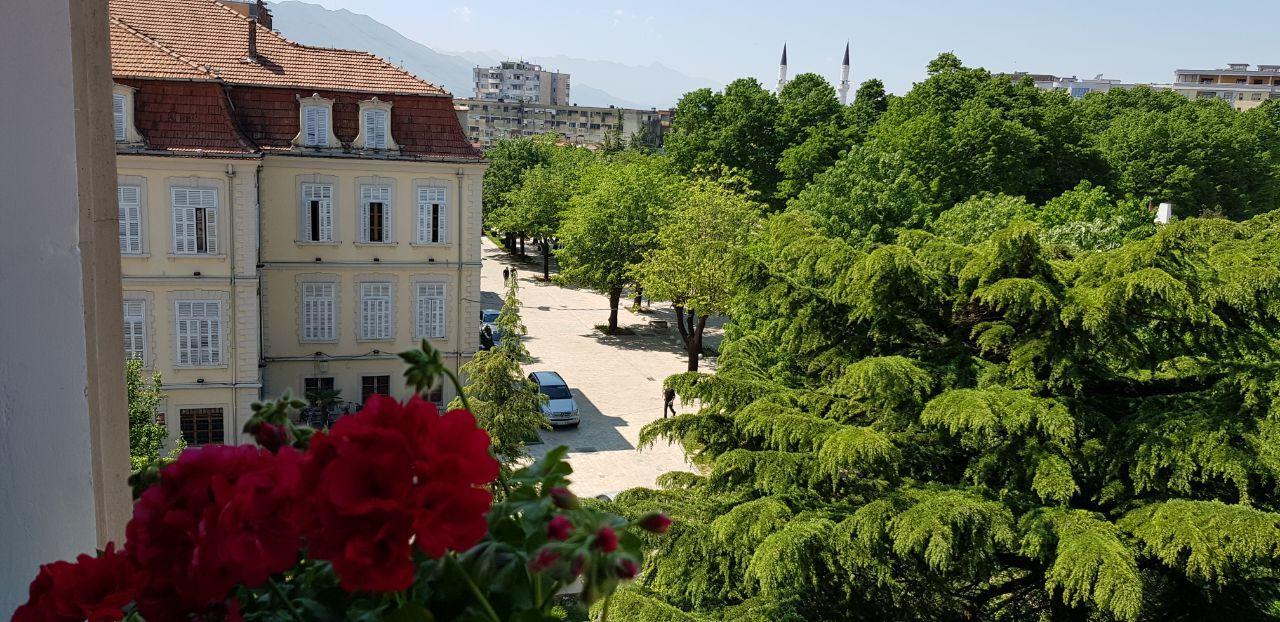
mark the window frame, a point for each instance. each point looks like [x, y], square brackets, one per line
[327, 332]
[377, 380]
[319, 138]
[216, 434]
[385, 196]
[214, 334]
[135, 323]
[363, 138]
[315, 192]
[424, 295]
[201, 230]
[387, 327]
[123, 210]
[428, 224]
[124, 130]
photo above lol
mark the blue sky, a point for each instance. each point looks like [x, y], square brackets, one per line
[1134, 40]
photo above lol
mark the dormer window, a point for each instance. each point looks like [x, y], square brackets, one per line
[122, 114]
[375, 126]
[315, 122]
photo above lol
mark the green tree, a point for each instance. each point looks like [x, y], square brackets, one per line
[509, 160]
[610, 226]
[921, 429]
[147, 436]
[732, 130]
[978, 218]
[535, 207]
[506, 404]
[693, 263]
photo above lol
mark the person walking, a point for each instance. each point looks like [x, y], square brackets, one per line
[486, 338]
[506, 275]
[668, 402]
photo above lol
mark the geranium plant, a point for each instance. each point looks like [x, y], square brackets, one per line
[397, 513]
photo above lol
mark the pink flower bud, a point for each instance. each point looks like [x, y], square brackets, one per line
[627, 568]
[271, 436]
[656, 522]
[564, 499]
[607, 539]
[543, 560]
[560, 528]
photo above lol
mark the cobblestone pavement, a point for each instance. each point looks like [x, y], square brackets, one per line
[617, 380]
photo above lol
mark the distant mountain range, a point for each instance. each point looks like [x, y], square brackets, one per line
[594, 82]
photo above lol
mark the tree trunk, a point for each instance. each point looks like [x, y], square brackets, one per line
[546, 259]
[639, 296]
[615, 295]
[695, 342]
[522, 245]
[510, 239]
[690, 334]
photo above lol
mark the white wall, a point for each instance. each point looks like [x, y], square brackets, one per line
[47, 353]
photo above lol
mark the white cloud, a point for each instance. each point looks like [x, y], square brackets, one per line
[463, 13]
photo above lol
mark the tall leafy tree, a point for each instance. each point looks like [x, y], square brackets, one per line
[730, 130]
[929, 430]
[505, 403]
[536, 205]
[612, 223]
[147, 436]
[693, 264]
[509, 160]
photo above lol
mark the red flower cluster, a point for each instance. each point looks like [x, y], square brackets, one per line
[391, 476]
[93, 588]
[220, 516]
[381, 482]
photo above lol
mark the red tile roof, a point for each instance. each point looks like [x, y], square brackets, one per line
[165, 49]
[206, 34]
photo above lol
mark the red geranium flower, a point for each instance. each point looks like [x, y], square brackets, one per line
[92, 588]
[560, 528]
[656, 522]
[543, 560]
[627, 568]
[221, 516]
[607, 539]
[394, 474]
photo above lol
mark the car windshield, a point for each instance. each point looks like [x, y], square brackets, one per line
[556, 392]
[489, 316]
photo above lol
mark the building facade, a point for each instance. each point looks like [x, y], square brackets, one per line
[518, 81]
[1238, 84]
[487, 122]
[290, 217]
[1073, 86]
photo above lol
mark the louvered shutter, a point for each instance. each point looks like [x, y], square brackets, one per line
[430, 318]
[432, 215]
[199, 332]
[134, 336]
[315, 122]
[118, 113]
[375, 129]
[326, 213]
[318, 311]
[213, 322]
[184, 223]
[376, 194]
[128, 198]
[186, 202]
[376, 310]
[211, 229]
[323, 195]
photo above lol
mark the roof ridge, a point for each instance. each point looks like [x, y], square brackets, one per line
[159, 46]
[296, 44]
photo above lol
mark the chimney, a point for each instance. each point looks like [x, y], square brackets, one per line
[253, 33]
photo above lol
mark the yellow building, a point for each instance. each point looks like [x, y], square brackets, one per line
[290, 217]
[1243, 87]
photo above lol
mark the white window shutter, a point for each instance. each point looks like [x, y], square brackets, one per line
[423, 233]
[364, 220]
[184, 235]
[442, 219]
[326, 213]
[315, 126]
[118, 113]
[375, 129]
[211, 230]
[128, 198]
[134, 335]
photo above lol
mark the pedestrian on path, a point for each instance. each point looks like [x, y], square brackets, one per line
[486, 338]
[506, 275]
[668, 402]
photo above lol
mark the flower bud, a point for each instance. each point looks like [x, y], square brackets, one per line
[576, 564]
[543, 560]
[560, 528]
[271, 436]
[564, 499]
[656, 522]
[627, 568]
[607, 539]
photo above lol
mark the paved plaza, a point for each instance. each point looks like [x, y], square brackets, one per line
[617, 380]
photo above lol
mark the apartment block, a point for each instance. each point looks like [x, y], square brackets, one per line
[290, 216]
[1244, 87]
[487, 122]
[518, 81]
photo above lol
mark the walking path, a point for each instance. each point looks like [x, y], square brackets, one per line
[617, 380]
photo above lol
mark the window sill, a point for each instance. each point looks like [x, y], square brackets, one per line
[376, 244]
[135, 255]
[378, 340]
[196, 256]
[328, 341]
[432, 244]
[314, 243]
[217, 366]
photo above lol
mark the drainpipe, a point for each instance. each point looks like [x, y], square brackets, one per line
[457, 328]
[257, 191]
[231, 255]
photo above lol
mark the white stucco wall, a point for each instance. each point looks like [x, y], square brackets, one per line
[46, 479]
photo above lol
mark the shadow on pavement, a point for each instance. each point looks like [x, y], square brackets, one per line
[596, 432]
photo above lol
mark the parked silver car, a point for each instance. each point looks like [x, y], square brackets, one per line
[560, 408]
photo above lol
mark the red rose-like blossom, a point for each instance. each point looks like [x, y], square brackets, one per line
[394, 474]
[656, 522]
[271, 436]
[560, 528]
[219, 517]
[607, 539]
[564, 499]
[92, 588]
[543, 560]
[627, 568]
